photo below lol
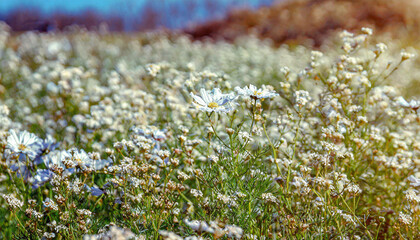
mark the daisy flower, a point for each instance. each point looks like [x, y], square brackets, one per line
[24, 143]
[214, 101]
[255, 93]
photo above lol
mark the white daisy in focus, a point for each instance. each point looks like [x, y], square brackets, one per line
[24, 143]
[214, 101]
[413, 104]
[256, 93]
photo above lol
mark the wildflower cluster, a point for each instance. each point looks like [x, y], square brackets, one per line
[119, 137]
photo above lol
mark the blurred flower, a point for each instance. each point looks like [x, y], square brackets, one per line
[96, 191]
[41, 176]
[413, 104]
[199, 226]
[255, 93]
[49, 144]
[82, 160]
[114, 232]
[415, 182]
[233, 231]
[150, 132]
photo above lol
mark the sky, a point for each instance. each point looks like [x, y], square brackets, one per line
[47, 6]
[130, 8]
[103, 6]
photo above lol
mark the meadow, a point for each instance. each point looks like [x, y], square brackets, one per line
[113, 136]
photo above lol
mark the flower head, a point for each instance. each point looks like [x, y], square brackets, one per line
[42, 176]
[415, 182]
[50, 204]
[413, 104]
[255, 93]
[82, 160]
[24, 143]
[96, 191]
[150, 132]
[214, 101]
[49, 144]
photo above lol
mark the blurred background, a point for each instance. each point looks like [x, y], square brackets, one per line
[282, 21]
[119, 15]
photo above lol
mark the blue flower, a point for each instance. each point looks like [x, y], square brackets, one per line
[42, 176]
[96, 191]
[48, 145]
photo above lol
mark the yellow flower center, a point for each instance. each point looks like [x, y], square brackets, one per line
[22, 147]
[213, 105]
[257, 93]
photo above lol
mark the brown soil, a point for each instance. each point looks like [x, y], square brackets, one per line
[313, 21]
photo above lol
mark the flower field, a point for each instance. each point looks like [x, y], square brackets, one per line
[113, 136]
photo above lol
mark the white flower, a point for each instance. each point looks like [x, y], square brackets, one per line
[380, 48]
[196, 193]
[405, 218]
[81, 159]
[25, 143]
[255, 93]
[166, 235]
[367, 30]
[406, 55]
[302, 97]
[214, 101]
[413, 104]
[58, 160]
[415, 182]
[114, 232]
[50, 204]
[233, 231]
[12, 201]
[199, 226]
[150, 132]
